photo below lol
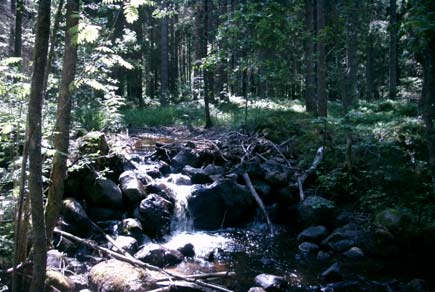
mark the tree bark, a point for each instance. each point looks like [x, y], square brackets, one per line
[35, 157]
[393, 64]
[164, 60]
[351, 57]
[370, 76]
[63, 120]
[321, 60]
[310, 86]
[53, 43]
[18, 27]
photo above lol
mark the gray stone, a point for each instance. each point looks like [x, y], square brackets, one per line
[313, 234]
[56, 259]
[132, 187]
[118, 276]
[316, 210]
[155, 213]
[159, 256]
[197, 175]
[342, 245]
[106, 194]
[354, 253]
[183, 158]
[270, 283]
[127, 243]
[224, 203]
[308, 247]
[214, 170]
[323, 256]
[59, 281]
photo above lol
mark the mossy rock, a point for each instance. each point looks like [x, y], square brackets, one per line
[396, 220]
[59, 281]
[93, 143]
[117, 276]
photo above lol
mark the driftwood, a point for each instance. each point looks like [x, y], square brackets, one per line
[138, 263]
[301, 179]
[258, 200]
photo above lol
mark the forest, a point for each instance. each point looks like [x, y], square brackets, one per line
[217, 145]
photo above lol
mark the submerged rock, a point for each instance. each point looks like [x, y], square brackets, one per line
[222, 204]
[117, 276]
[132, 187]
[271, 283]
[159, 256]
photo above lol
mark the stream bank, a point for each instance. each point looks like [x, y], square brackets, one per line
[175, 198]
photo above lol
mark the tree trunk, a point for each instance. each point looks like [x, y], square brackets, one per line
[18, 27]
[164, 60]
[53, 43]
[63, 120]
[39, 239]
[310, 86]
[392, 66]
[351, 57]
[12, 28]
[321, 60]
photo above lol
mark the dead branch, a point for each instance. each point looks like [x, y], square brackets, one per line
[137, 262]
[316, 161]
[258, 200]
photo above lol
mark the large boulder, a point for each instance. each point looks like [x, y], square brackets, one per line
[127, 243]
[74, 214]
[183, 158]
[117, 276]
[104, 214]
[275, 172]
[93, 143]
[105, 193]
[155, 214]
[159, 256]
[313, 234]
[316, 210]
[222, 204]
[132, 187]
[197, 175]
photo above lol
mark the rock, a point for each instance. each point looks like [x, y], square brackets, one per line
[117, 276]
[127, 243]
[159, 256]
[415, 285]
[313, 234]
[212, 169]
[104, 214]
[275, 172]
[131, 227]
[264, 190]
[323, 256]
[106, 193]
[93, 143]
[315, 210]
[79, 181]
[80, 282]
[73, 212]
[354, 253]
[187, 250]
[181, 180]
[256, 289]
[155, 213]
[59, 281]
[341, 245]
[76, 267]
[270, 282]
[223, 203]
[162, 190]
[332, 274]
[56, 259]
[308, 247]
[183, 158]
[197, 175]
[132, 187]
[395, 220]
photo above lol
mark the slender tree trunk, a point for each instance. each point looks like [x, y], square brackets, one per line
[63, 120]
[53, 42]
[18, 27]
[321, 60]
[310, 86]
[351, 57]
[164, 60]
[393, 64]
[12, 28]
[39, 238]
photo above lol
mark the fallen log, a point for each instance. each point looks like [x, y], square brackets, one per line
[259, 201]
[138, 263]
